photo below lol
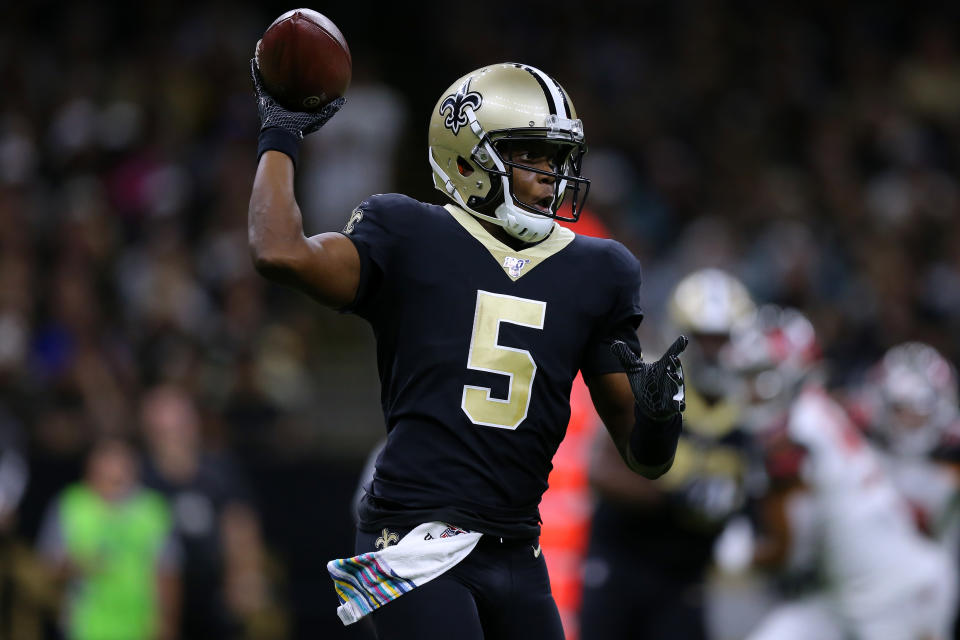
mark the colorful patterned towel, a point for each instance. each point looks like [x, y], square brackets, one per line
[373, 579]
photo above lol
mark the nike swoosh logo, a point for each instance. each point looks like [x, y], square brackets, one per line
[536, 551]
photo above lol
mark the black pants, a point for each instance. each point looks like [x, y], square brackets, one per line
[501, 591]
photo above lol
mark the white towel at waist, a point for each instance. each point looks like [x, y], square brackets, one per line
[370, 580]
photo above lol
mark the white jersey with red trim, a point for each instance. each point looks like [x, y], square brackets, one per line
[930, 488]
[872, 552]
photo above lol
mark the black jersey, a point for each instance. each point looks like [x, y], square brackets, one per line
[477, 347]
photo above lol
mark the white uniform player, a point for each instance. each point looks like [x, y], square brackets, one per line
[881, 578]
[930, 487]
[910, 406]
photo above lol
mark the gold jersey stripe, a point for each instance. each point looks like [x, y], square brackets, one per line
[559, 238]
[710, 420]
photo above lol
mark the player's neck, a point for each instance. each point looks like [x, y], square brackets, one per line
[497, 232]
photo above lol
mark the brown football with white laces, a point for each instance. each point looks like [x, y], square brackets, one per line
[304, 60]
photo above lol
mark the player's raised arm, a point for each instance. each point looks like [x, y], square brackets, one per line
[325, 266]
[642, 407]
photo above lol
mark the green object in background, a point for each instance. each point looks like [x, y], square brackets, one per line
[116, 546]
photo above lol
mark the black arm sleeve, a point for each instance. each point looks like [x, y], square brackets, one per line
[654, 444]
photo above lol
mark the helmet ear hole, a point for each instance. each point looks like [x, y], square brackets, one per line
[464, 167]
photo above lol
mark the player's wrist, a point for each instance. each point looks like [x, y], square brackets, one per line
[653, 442]
[654, 409]
[279, 139]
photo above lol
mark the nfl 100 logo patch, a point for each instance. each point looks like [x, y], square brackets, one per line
[514, 265]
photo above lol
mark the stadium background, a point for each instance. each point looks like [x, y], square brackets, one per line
[810, 148]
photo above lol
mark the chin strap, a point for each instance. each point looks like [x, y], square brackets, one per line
[522, 225]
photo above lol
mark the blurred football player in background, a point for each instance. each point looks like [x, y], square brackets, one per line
[484, 311]
[831, 503]
[652, 540]
[910, 410]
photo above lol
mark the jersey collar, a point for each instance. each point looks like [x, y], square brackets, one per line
[515, 264]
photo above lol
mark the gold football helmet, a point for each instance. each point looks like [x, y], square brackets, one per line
[706, 305]
[709, 301]
[475, 124]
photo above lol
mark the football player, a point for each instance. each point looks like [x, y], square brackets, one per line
[831, 496]
[910, 402]
[484, 310]
[651, 541]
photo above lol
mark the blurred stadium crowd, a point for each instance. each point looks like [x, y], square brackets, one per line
[812, 150]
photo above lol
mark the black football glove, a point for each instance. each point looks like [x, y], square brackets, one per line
[658, 387]
[299, 123]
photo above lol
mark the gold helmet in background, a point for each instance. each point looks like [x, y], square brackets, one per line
[706, 305]
[475, 124]
[709, 301]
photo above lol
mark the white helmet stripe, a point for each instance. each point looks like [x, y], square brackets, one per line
[552, 90]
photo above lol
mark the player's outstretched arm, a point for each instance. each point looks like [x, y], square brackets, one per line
[642, 407]
[325, 266]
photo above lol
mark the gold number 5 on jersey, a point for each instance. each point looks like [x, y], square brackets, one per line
[487, 355]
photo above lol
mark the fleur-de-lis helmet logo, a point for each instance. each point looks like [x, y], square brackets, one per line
[456, 103]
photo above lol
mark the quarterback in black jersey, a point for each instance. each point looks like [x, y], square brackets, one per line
[484, 309]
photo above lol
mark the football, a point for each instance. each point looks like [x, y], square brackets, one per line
[304, 60]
